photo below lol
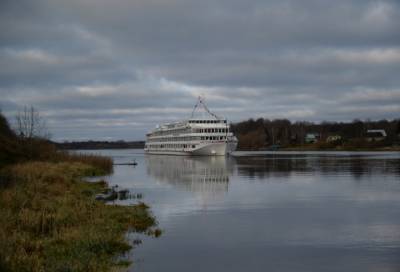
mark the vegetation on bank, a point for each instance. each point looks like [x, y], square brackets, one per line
[18, 149]
[49, 218]
[100, 165]
[263, 134]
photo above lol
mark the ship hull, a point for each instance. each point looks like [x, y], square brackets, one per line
[209, 149]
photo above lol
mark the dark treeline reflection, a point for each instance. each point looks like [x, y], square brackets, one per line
[279, 165]
[212, 174]
[196, 174]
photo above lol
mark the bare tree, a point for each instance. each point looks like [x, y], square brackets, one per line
[30, 124]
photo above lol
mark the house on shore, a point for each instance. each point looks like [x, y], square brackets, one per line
[375, 135]
[311, 138]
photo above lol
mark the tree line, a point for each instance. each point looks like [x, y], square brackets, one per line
[100, 144]
[30, 138]
[264, 133]
[27, 141]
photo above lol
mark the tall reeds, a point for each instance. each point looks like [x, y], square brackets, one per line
[49, 220]
[104, 165]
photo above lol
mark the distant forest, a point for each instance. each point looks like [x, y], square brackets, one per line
[100, 145]
[260, 134]
[264, 134]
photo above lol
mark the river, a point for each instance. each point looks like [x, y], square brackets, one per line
[270, 211]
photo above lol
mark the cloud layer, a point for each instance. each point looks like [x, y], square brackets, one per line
[114, 69]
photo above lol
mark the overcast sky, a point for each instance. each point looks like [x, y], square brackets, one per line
[101, 69]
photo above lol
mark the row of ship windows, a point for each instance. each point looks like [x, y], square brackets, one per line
[157, 146]
[197, 130]
[176, 131]
[192, 138]
[175, 139]
[207, 121]
[211, 130]
[212, 138]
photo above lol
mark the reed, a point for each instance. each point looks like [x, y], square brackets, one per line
[103, 165]
[49, 220]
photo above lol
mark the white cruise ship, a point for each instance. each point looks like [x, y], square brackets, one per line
[206, 136]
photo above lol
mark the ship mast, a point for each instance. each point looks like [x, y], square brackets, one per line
[200, 102]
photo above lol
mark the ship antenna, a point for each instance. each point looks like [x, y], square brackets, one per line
[200, 101]
[195, 107]
[205, 107]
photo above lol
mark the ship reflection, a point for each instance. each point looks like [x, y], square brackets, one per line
[204, 175]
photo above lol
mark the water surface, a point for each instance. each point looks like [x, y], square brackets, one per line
[270, 211]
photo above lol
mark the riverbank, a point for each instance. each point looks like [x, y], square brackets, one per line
[340, 148]
[322, 146]
[49, 220]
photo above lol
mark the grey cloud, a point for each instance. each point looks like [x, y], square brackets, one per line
[116, 68]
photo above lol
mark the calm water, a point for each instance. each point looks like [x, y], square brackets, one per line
[271, 212]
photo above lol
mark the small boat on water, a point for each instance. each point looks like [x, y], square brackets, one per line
[206, 136]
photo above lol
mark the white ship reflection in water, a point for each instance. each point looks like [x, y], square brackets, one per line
[281, 211]
[207, 176]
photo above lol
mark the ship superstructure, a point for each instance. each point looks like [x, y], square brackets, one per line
[207, 135]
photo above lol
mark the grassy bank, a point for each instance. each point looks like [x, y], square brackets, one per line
[101, 165]
[49, 220]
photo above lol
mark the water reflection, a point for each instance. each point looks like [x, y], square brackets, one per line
[204, 175]
[284, 166]
[282, 212]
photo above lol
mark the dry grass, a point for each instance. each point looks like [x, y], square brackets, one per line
[50, 222]
[103, 165]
